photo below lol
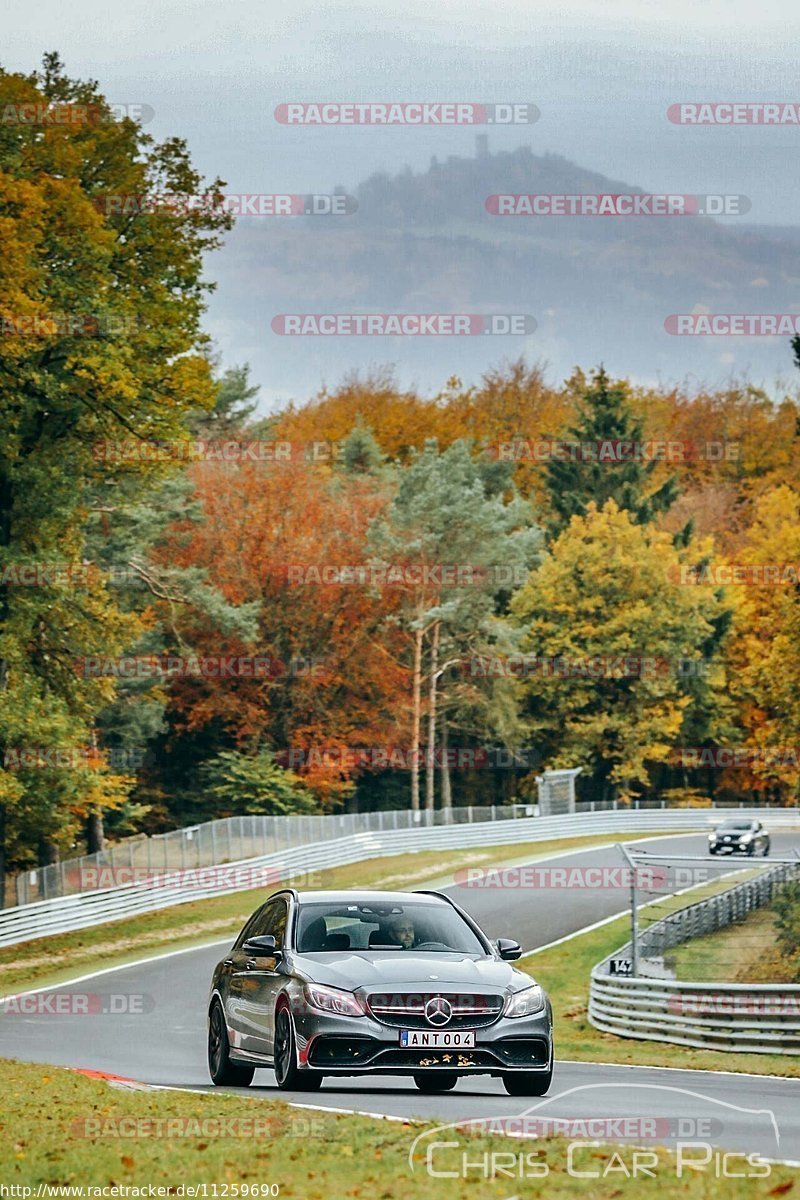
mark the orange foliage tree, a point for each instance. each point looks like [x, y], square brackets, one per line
[336, 681]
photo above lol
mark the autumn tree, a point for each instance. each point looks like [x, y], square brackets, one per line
[399, 420]
[270, 533]
[764, 659]
[124, 532]
[604, 470]
[608, 623]
[101, 305]
[450, 510]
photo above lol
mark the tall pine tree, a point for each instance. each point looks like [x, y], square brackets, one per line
[605, 420]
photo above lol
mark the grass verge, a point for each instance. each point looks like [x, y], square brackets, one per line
[62, 1129]
[747, 952]
[182, 926]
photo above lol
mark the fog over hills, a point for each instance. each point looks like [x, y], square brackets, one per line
[599, 287]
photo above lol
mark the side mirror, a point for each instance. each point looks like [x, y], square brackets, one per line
[508, 949]
[261, 947]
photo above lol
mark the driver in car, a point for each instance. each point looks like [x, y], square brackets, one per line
[402, 930]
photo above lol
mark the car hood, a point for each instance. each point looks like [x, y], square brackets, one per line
[365, 969]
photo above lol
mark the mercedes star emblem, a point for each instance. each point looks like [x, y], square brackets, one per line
[438, 1011]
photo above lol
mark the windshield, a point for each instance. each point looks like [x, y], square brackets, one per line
[431, 928]
[738, 825]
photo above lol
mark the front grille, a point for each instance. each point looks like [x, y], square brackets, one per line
[470, 1011]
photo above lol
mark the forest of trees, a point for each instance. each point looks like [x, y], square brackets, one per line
[372, 598]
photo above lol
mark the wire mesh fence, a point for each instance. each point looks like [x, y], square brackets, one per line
[714, 912]
[230, 839]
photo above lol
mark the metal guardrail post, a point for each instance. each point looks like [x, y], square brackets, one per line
[634, 912]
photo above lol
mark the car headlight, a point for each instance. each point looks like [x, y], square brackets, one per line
[748, 837]
[712, 837]
[526, 1003]
[335, 1001]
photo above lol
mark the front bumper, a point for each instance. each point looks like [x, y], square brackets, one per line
[363, 1045]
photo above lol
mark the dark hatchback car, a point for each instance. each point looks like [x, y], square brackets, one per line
[739, 836]
[358, 983]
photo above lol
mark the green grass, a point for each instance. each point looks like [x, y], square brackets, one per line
[746, 952]
[68, 955]
[61, 1128]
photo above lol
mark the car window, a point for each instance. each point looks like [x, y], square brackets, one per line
[270, 918]
[275, 917]
[249, 928]
[328, 927]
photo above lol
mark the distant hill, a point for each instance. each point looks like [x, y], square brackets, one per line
[599, 287]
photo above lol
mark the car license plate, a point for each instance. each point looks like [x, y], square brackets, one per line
[438, 1039]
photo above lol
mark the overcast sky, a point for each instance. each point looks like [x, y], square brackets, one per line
[602, 73]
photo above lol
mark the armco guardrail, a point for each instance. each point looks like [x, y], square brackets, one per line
[231, 839]
[61, 915]
[742, 1017]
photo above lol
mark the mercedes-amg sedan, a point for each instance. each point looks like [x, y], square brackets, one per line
[359, 983]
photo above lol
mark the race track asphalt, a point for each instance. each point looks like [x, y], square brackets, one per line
[165, 1043]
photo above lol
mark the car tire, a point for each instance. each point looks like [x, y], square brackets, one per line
[287, 1074]
[528, 1083]
[224, 1072]
[436, 1081]
[766, 850]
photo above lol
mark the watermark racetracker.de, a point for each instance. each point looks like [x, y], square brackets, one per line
[234, 204]
[49, 113]
[404, 758]
[406, 113]
[611, 450]
[768, 574]
[615, 204]
[707, 324]
[77, 1004]
[734, 112]
[131, 1127]
[402, 324]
